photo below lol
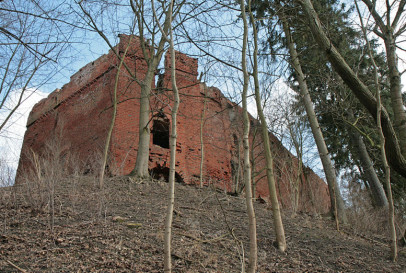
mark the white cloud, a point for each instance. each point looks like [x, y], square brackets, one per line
[252, 106]
[12, 134]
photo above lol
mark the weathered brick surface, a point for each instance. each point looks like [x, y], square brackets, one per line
[80, 114]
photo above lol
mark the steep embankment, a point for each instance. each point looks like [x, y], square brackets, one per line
[209, 232]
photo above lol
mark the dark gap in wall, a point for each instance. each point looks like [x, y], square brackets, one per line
[162, 173]
[160, 133]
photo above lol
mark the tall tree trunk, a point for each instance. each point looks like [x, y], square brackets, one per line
[152, 55]
[141, 165]
[201, 137]
[391, 211]
[387, 33]
[378, 194]
[296, 181]
[360, 90]
[172, 144]
[253, 164]
[277, 217]
[252, 263]
[399, 113]
[337, 202]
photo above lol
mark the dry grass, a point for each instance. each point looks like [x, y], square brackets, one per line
[207, 236]
[58, 220]
[366, 220]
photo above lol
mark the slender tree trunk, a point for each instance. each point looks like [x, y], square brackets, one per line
[377, 191]
[252, 263]
[255, 134]
[236, 177]
[279, 230]
[172, 144]
[391, 211]
[201, 137]
[299, 152]
[298, 178]
[337, 202]
[360, 90]
[253, 165]
[113, 119]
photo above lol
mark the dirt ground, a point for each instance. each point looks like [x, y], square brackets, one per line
[120, 229]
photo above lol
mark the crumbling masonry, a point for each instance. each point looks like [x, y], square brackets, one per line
[80, 114]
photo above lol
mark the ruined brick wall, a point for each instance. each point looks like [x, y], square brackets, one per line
[76, 117]
[80, 114]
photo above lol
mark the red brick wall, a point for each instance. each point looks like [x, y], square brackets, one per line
[77, 117]
[82, 111]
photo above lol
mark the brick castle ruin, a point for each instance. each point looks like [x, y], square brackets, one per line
[80, 114]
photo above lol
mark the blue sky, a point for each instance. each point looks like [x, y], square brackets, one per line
[12, 134]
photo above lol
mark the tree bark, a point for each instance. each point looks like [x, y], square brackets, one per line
[360, 90]
[337, 202]
[202, 121]
[253, 257]
[299, 153]
[391, 211]
[277, 217]
[141, 166]
[399, 113]
[172, 145]
[378, 194]
[152, 56]
[389, 38]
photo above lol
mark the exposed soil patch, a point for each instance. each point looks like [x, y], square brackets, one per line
[209, 232]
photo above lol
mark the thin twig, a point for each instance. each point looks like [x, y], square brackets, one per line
[19, 268]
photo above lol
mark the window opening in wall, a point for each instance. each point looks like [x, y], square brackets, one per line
[160, 133]
[159, 81]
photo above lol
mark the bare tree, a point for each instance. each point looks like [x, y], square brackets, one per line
[377, 192]
[172, 168]
[359, 89]
[278, 225]
[389, 27]
[35, 36]
[391, 211]
[337, 202]
[252, 263]
[153, 57]
[152, 44]
[297, 141]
